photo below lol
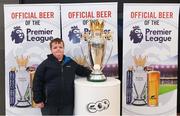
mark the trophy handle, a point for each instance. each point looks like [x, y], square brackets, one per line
[86, 58]
[108, 57]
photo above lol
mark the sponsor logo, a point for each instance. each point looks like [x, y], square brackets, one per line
[17, 35]
[150, 35]
[136, 35]
[74, 34]
[30, 35]
[98, 106]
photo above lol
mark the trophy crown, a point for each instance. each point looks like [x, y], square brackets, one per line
[97, 26]
[17, 27]
[96, 29]
[135, 27]
[140, 61]
[22, 61]
[13, 68]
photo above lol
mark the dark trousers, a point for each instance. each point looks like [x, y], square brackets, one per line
[65, 110]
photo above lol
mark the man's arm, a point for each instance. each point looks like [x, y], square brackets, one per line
[38, 84]
[83, 71]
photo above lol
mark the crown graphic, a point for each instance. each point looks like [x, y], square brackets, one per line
[140, 61]
[22, 61]
[96, 26]
[17, 27]
[135, 27]
[74, 27]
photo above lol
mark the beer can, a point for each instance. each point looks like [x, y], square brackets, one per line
[153, 80]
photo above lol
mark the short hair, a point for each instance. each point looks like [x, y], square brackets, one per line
[56, 40]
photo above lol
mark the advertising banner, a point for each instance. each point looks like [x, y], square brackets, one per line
[150, 59]
[91, 31]
[82, 23]
[28, 31]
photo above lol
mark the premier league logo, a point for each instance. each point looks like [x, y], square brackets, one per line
[74, 35]
[17, 35]
[136, 35]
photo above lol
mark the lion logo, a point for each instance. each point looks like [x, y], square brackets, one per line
[17, 35]
[74, 35]
[136, 35]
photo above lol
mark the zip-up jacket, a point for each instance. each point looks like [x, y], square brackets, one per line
[53, 82]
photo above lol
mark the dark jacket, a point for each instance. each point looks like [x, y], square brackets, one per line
[53, 82]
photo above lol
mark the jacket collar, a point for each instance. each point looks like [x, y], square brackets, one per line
[64, 61]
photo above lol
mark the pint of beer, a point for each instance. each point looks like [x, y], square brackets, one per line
[153, 80]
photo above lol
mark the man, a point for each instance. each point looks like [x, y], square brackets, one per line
[53, 84]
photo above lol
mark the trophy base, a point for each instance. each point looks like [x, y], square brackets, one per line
[96, 78]
[139, 102]
[22, 103]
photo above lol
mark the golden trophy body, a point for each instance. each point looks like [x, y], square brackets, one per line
[96, 42]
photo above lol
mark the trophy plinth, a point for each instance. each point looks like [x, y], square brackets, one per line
[22, 103]
[97, 75]
[96, 78]
[139, 102]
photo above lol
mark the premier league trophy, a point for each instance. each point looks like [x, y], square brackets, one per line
[22, 83]
[140, 82]
[97, 49]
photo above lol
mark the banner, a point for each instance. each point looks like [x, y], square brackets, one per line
[28, 31]
[80, 24]
[150, 59]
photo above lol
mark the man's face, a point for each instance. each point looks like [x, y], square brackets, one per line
[58, 50]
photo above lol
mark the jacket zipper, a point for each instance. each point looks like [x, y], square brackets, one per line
[46, 95]
[62, 79]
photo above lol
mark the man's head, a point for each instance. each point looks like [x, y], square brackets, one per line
[57, 48]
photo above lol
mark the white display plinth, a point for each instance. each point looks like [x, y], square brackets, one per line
[97, 98]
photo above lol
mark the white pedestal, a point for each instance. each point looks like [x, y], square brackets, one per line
[97, 98]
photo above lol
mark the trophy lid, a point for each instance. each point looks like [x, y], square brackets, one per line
[96, 29]
[140, 61]
[97, 26]
[22, 61]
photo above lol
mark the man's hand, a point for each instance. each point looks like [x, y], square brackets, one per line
[39, 105]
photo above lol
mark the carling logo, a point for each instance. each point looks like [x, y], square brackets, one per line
[136, 35]
[17, 35]
[98, 106]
